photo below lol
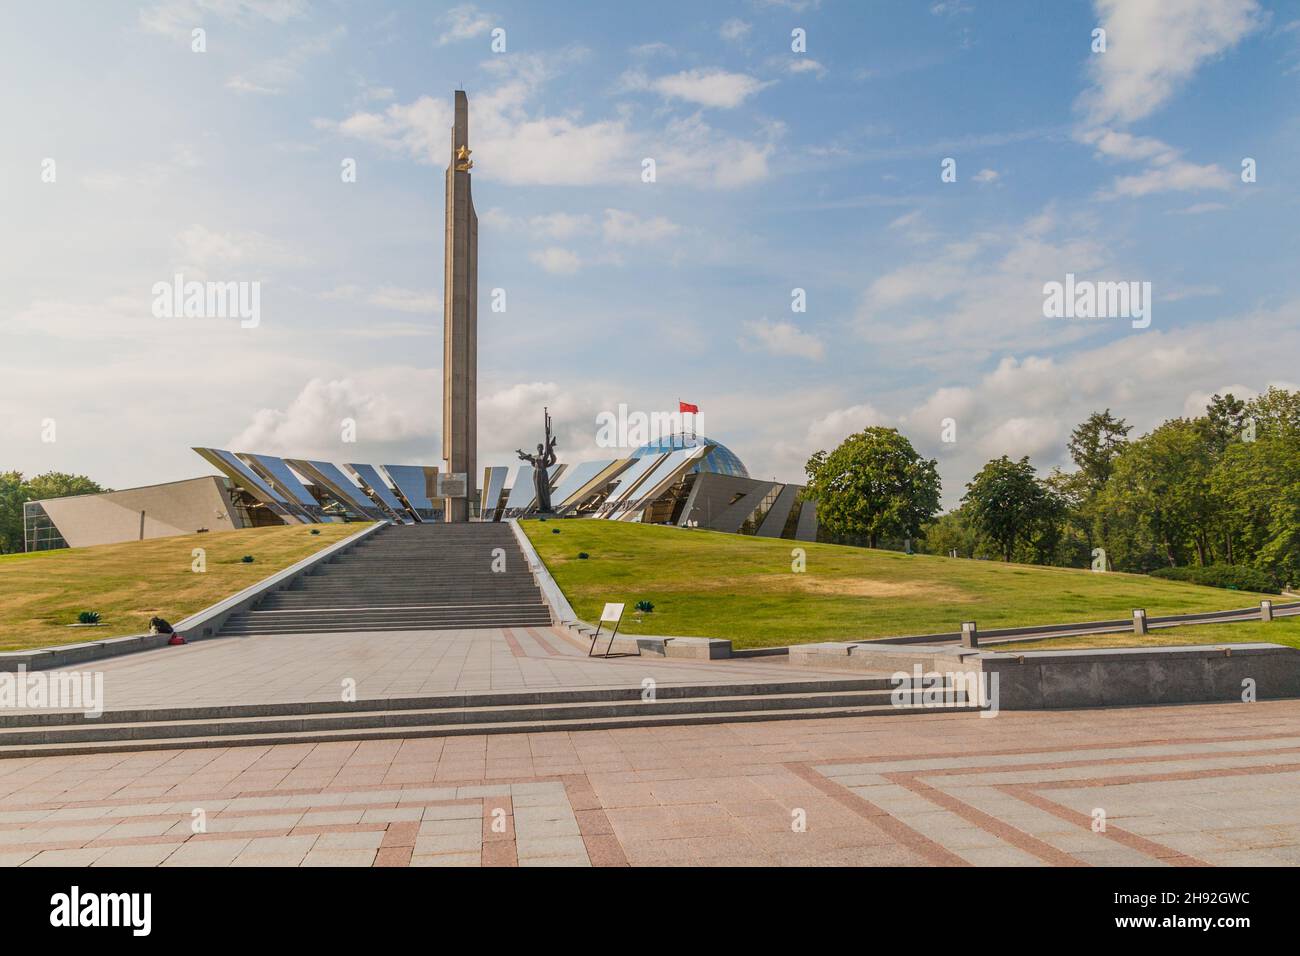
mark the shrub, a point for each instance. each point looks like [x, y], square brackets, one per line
[645, 607]
[88, 617]
[315, 530]
[247, 559]
[555, 531]
[583, 555]
[1232, 576]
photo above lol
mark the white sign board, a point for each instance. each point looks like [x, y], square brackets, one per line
[452, 485]
[612, 613]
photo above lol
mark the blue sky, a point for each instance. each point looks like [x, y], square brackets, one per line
[775, 170]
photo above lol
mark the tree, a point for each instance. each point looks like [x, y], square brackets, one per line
[874, 485]
[1094, 446]
[1010, 506]
[1225, 418]
[11, 511]
[1275, 413]
[1160, 489]
[1257, 485]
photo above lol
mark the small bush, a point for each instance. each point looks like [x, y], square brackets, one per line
[645, 607]
[315, 530]
[88, 617]
[247, 559]
[555, 531]
[1231, 576]
[583, 555]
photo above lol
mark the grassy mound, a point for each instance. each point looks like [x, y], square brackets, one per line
[707, 584]
[42, 592]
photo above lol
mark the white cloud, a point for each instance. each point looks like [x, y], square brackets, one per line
[625, 227]
[179, 17]
[986, 176]
[275, 75]
[557, 260]
[310, 425]
[803, 64]
[734, 29]
[512, 145]
[463, 23]
[203, 252]
[1154, 47]
[832, 428]
[555, 225]
[405, 300]
[783, 339]
[518, 146]
[713, 87]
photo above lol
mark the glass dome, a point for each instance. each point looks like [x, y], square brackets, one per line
[722, 460]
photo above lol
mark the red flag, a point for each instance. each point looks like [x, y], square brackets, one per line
[687, 407]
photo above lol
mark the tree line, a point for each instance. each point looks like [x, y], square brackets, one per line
[1220, 489]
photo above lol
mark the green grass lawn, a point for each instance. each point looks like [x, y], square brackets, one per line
[1283, 630]
[708, 584]
[42, 592]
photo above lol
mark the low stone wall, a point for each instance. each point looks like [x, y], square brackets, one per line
[1126, 676]
[561, 611]
[1035, 680]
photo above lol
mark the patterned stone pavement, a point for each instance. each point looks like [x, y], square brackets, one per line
[309, 667]
[1178, 786]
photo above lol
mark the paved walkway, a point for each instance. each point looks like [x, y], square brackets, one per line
[1177, 786]
[309, 667]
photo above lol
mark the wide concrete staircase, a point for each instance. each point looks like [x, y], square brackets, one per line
[409, 577]
[41, 734]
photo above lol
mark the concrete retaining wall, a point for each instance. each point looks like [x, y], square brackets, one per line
[1034, 680]
[1165, 675]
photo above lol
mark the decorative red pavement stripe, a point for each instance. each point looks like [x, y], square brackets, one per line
[398, 844]
[541, 641]
[569, 637]
[903, 834]
[990, 824]
[1161, 852]
[603, 846]
[513, 641]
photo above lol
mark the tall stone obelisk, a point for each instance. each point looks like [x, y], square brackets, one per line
[460, 320]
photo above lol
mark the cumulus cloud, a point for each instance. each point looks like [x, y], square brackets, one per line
[557, 260]
[713, 87]
[179, 17]
[784, 339]
[463, 23]
[202, 252]
[734, 29]
[273, 76]
[519, 144]
[625, 227]
[1154, 47]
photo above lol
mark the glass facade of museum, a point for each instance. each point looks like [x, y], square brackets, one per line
[721, 461]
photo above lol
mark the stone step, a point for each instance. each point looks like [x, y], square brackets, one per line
[643, 718]
[535, 714]
[335, 627]
[410, 578]
[461, 699]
